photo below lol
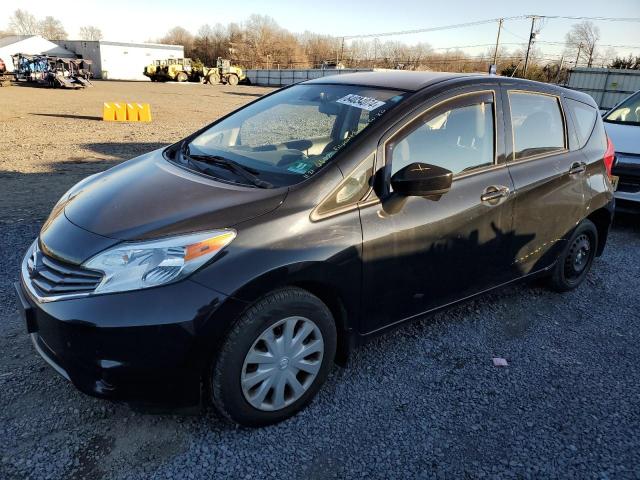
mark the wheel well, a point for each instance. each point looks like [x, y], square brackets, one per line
[601, 218]
[331, 298]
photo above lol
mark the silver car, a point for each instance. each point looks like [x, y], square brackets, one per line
[622, 123]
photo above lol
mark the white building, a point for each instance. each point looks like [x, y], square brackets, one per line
[29, 45]
[121, 61]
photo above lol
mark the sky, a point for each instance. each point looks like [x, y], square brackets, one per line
[141, 20]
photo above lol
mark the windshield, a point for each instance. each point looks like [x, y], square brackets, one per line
[627, 112]
[288, 136]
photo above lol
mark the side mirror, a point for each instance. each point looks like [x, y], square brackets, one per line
[421, 180]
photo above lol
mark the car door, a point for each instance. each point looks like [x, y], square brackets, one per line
[548, 177]
[422, 253]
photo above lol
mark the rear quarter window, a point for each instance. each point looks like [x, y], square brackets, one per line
[538, 126]
[584, 117]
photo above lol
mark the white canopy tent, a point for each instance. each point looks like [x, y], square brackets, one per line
[29, 45]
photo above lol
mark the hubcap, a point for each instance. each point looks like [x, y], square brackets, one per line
[578, 257]
[282, 363]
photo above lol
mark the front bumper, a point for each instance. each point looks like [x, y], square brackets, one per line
[627, 168]
[143, 347]
[628, 202]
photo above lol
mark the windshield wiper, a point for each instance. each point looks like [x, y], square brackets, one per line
[247, 173]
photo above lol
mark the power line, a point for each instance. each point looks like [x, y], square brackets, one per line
[597, 19]
[549, 42]
[514, 34]
[431, 29]
[491, 20]
[599, 44]
[455, 47]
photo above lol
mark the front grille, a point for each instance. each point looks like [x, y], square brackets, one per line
[628, 185]
[627, 168]
[53, 277]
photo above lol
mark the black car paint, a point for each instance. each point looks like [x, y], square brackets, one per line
[375, 264]
[137, 200]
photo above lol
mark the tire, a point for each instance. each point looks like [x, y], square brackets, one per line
[182, 77]
[214, 79]
[258, 341]
[232, 80]
[574, 263]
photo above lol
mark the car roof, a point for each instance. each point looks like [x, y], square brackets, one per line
[398, 79]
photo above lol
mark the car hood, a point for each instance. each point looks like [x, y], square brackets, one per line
[150, 197]
[625, 138]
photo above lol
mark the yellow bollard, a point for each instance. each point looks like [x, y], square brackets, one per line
[144, 112]
[123, 112]
[132, 112]
[108, 112]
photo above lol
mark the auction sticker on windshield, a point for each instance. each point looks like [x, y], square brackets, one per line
[365, 103]
[300, 167]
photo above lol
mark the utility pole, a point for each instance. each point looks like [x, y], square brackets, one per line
[578, 55]
[375, 51]
[560, 69]
[531, 37]
[342, 49]
[495, 53]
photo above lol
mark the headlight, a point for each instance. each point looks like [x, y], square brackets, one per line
[133, 266]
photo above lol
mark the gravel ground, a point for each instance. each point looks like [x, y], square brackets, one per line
[422, 402]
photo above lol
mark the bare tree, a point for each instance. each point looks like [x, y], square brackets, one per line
[24, 23]
[52, 29]
[261, 42]
[90, 33]
[319, 48]
[179, 36]
[581, 41]
[211, 43]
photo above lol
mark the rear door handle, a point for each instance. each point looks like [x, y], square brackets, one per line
[577, 167]
[494, 192]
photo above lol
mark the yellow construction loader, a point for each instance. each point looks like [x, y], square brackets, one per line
[224, 72]
[174, 69]
[184, 69]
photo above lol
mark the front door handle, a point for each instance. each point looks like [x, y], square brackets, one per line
[494, 192]
[577, 167]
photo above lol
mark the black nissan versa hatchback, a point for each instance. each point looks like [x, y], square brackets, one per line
[239, 264]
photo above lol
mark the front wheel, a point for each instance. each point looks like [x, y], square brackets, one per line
[575, 261]
[275, 358]
[182, 77]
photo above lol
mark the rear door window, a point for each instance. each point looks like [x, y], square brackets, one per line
[538, 127]
[584, 117]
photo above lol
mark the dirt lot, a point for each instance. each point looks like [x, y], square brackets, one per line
[422, 402]
[51, 139]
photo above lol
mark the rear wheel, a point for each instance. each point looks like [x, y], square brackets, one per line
[575, 261]
[182, 77]
[275, 358]
[232, 80]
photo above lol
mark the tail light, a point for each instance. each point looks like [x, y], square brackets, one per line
[609, 156]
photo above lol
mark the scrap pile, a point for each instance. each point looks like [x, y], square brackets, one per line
[52, 71]
[5, 77]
